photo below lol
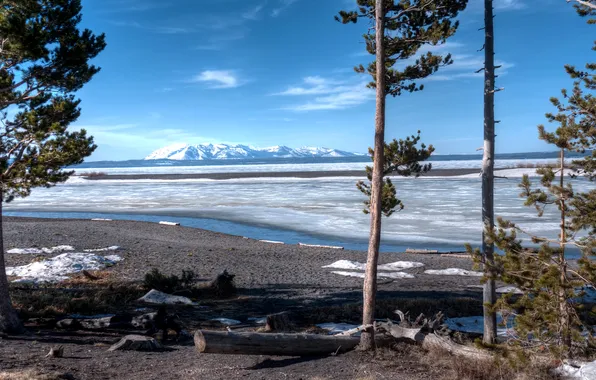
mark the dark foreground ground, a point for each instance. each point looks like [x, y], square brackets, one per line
[270, 278]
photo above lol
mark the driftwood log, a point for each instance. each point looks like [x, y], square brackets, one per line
[248, 343]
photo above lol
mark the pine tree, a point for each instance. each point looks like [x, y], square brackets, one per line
[402, 158]
[548, 309]
[401, 27]
[44, 60]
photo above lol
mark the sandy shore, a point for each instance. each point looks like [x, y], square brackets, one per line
[257, 265]
[270, 277]
[296, 174]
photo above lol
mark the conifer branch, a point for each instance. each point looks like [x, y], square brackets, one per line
[584, 3]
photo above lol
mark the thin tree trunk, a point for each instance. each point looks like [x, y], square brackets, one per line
[564, 320]
[367, 339]
[9, 321]
[488, 216]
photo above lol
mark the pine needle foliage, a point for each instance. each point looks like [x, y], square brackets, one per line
[44, 60]
[402, 158]
[410, 25]
[550, 314]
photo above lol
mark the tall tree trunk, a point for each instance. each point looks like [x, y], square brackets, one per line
[9, 321]
[367, 339]
[564, 318]
[488, 179]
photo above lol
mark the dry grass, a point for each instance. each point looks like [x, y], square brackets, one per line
[451, 307]
[32, 375]
[532, 165]
[460, 368]
[96, 292]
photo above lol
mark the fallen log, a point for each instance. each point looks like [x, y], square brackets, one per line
[421, 251]
[321, 246]
[169, 223]
[248, 343]
[436, 342]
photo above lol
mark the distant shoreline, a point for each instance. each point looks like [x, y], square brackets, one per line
[242, 175]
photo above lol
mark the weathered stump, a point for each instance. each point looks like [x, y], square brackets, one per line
[278, 322]
[136, 343]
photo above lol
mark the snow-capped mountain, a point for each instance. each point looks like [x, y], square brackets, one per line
[226, 151]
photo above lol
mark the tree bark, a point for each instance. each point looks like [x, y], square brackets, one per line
[248, 343]
[488, 216]
[564, 318]
[9, 321]
[367, 338]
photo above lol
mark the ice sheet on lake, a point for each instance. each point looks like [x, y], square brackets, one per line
[354, 265]
[38, 251]
[394, 275]
[58, 268]
[476, 325]
[336, 328]
[453, 272]
[578, 371]
[112, 248]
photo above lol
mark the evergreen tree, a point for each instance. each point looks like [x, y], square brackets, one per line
[401, 158]
[401, 27]
[44, 60]
[548, 311]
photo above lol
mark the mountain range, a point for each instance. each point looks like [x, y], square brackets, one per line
[227, 151]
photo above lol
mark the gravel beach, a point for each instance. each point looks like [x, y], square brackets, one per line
[256, 264]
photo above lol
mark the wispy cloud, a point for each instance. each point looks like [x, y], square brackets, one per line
[254, 13]
[221, 41]
[327, 94]
[283, 5]
[218, 79]
[509, 4]
[154, 29]
[133, 6]
[465, 63]
[137, 139]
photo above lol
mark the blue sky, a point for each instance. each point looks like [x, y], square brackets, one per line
[279, 72]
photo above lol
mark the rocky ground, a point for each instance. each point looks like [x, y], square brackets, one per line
[270, 278]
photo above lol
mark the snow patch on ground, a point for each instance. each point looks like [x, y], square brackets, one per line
[227, 321]
[58, 268]
[453, 272]
[354, 265]
[258, 320]
[476, 325]
[112, 248]
[38, 251]
[336, 328]
[581, 371]
[379, 275]
[157, 297]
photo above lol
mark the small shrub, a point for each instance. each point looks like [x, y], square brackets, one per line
[223, 285]
[169, 284]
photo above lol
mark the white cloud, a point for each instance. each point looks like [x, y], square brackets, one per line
[136, 140]
[509, 4]
[284, 4]
[254, 13]
[465, 64]
[331, 94]
[218, 78]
